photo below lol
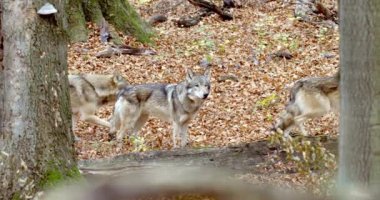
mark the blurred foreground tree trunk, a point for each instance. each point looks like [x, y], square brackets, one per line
[359, 163]
[119, 13]
[36, 141]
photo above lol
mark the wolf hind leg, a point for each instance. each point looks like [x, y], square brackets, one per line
[87, 114]
[300, 119]
[140, 123]
[95, 120]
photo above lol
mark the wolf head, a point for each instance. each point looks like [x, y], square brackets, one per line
[198, 86]
[119, 81]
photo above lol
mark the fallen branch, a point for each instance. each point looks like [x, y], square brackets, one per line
[329, 15]
[188, 21]
[232, 4]
[283, 54]
[156, 19]
[123, 49]
[212, 7]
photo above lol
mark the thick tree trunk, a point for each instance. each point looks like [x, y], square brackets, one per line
[359, 165]
[119, 14]
[36, 141]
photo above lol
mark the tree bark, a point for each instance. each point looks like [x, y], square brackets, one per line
[119, 14]
[36, 140]
[359, 166]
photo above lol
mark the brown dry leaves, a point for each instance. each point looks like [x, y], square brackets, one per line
[241, 47]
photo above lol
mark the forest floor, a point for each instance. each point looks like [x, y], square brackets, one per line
[236, 112]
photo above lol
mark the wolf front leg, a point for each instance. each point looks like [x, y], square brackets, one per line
[181, 131]
[184, 135]
[176, 133]
[74, 120]
[299, 120]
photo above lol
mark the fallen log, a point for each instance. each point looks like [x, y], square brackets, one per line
[188, 21]
[212, 7]
[156, 19]
[205, 173]
[173, 183]
[238, 158]
[123, 49]
[327, 13]
[232, 4]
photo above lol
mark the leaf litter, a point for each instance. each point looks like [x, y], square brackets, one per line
[237, 111]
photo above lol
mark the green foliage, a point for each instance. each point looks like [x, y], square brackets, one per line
[267, 101]
[16, 196]
[309, 158]
[138, 144]
[76, 20]
[124, 17]
[55, 176]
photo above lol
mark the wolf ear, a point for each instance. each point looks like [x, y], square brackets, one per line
[189, 74]
[208, 72]
[118, 78]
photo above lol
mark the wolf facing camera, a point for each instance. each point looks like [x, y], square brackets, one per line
[175, 103]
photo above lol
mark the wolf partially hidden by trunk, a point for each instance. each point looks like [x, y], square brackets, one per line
[88, 92]
[309, 98]
[175, 103]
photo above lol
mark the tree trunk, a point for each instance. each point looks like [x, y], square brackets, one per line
[36, 140]
[119, 13]
[359, 166]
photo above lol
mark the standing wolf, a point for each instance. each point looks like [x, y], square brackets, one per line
[88, 92]
[175, 103]
[309, 98]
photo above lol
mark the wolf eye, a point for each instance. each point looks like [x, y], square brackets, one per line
[196, 85]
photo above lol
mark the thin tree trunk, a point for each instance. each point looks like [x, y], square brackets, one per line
[359, 166]
[36, 141]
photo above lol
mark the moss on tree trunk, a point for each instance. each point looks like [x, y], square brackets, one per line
[76, 20]
[118, 13]
[35, 126]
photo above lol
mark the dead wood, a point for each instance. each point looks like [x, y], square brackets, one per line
[283, 54]
[105, 35]
[156, 19]
[123, 49]
[202, 172]
[188, 21]
[232, 4]
[212, 7]
[173, 183]
[230, 77]
[328, 14]
[239, 158]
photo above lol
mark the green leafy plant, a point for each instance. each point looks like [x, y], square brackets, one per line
[310, 158]
[267, 101]
[138, 144]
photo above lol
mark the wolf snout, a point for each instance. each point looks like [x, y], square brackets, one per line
[205, 95]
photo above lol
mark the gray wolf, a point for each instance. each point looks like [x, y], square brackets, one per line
[175, 103]
[309, 98]
[88, 92]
